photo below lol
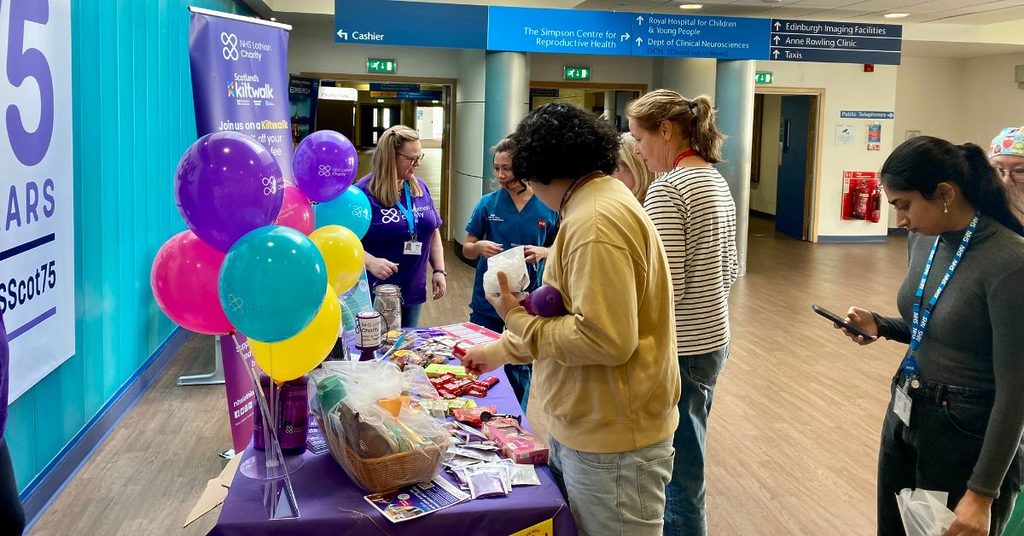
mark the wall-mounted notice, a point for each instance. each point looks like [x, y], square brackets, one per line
[37, 234]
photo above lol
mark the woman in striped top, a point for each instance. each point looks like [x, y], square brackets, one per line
[693, 210]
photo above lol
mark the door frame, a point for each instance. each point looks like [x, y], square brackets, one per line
[812, 200]
[448, 143]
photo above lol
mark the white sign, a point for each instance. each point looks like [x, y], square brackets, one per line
[338, 93]
[845, 135]
[37, 234]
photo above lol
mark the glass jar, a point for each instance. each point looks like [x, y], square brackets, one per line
[388, 302]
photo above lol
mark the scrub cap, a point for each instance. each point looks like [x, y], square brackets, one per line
[1010, 141]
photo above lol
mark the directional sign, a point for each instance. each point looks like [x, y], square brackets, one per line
[823, 41]
[700, 37]
[858, 114]
[418, 24]
[562, 31]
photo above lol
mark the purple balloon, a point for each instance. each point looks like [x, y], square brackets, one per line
[325, 165]
[545, 301]
[226, 185]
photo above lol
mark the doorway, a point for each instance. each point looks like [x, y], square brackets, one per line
[785, 161]
[606, 100]
[377, 105]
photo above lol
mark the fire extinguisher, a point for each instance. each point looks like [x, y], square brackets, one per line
[861, 200]
[876, 204]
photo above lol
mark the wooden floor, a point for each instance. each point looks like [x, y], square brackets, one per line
[792, 440]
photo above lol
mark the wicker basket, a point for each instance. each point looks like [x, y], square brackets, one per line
[387, 473]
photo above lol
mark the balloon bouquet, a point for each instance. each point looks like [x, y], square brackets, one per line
[256, 262]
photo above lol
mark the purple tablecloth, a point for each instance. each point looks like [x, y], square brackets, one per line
[331, 505]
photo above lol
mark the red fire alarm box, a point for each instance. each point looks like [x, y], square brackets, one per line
[862, 196]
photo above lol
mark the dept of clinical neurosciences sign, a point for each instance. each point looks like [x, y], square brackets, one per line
[567, 31]
[37, 240]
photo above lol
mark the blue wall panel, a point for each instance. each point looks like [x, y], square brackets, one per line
[133, 118]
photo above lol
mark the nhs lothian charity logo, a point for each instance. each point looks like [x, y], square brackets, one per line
[230, 42]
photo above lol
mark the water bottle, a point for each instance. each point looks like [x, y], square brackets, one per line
[292, 415]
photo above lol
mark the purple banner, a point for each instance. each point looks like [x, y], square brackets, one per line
[240, 81]
[238, 384]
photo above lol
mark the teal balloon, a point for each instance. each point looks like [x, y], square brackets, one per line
[272, 283]
[351, 209]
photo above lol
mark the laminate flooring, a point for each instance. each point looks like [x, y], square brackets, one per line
[793, 435]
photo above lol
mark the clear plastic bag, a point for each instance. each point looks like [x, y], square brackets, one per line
[924, 512]
[377, 437]
[513, 263]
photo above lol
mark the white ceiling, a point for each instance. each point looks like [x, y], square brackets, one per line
[977, 12]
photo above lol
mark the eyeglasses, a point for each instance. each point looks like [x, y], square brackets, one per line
[416, 160]
[1015, 174]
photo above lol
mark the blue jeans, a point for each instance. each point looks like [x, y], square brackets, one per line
[618, 493]
[411, 315]
[685, 512]
[938, 451]
[519, 376]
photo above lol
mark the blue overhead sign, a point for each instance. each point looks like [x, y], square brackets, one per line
[700, 37]
[842, 42]
[417, 24]
[562, 31]
[567, 31]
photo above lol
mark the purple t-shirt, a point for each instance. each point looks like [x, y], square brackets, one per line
[389, 231]
[5, 359]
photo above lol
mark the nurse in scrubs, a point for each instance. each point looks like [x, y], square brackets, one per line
[506, 218]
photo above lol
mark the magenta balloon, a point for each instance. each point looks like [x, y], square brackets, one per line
[184, 281]
[226, 185]
[546, 301]
[325, 165]
[296, 212]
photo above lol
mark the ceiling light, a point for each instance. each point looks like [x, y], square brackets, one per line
[690, 6]
[273, 19]
[895, 15]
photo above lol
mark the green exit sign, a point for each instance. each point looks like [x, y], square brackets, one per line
[381, 65]
[575, 73]
[763, 77]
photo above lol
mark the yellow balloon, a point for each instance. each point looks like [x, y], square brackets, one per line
[291, 358]
[343, 254]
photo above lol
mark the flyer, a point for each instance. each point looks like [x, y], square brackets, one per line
[417, 500]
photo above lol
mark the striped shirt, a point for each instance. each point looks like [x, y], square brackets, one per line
[693, 210]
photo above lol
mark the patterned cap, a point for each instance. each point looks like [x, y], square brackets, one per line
[1009, 142]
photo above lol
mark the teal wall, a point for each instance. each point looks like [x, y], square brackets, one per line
[133, 118]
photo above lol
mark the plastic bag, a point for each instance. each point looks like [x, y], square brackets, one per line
[513, 263]
[924, 512]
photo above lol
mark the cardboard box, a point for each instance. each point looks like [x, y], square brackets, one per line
[516, 443]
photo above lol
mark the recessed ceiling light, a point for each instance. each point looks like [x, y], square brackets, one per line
[895, 15]
[691, 6]
[273, 19]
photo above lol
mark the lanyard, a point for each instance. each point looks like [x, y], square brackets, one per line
[409, 212]
[682, 156]
[920, 319]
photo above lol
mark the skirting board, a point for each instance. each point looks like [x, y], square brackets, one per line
[47, 485]
[869, 239]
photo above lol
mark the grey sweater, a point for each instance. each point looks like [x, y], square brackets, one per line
[975, 336]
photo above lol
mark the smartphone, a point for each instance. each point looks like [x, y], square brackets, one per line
[836, 319]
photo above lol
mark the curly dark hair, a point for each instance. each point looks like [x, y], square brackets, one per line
[561, 141]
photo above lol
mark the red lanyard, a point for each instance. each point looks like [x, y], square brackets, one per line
[683, 155]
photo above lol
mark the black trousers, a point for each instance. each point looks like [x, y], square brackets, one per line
[12, 517]
[938, 452]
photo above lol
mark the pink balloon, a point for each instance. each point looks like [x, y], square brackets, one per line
[184, 282]
[296, 212]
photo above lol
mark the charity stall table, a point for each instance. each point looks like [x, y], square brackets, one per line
[330, 503]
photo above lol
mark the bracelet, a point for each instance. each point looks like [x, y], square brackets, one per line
[442, 272]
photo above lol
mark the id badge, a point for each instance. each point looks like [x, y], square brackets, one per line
[901, 405]
[413, 247]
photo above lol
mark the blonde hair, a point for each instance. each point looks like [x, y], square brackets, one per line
[642, 176]
[384, 183]
[695, 119]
